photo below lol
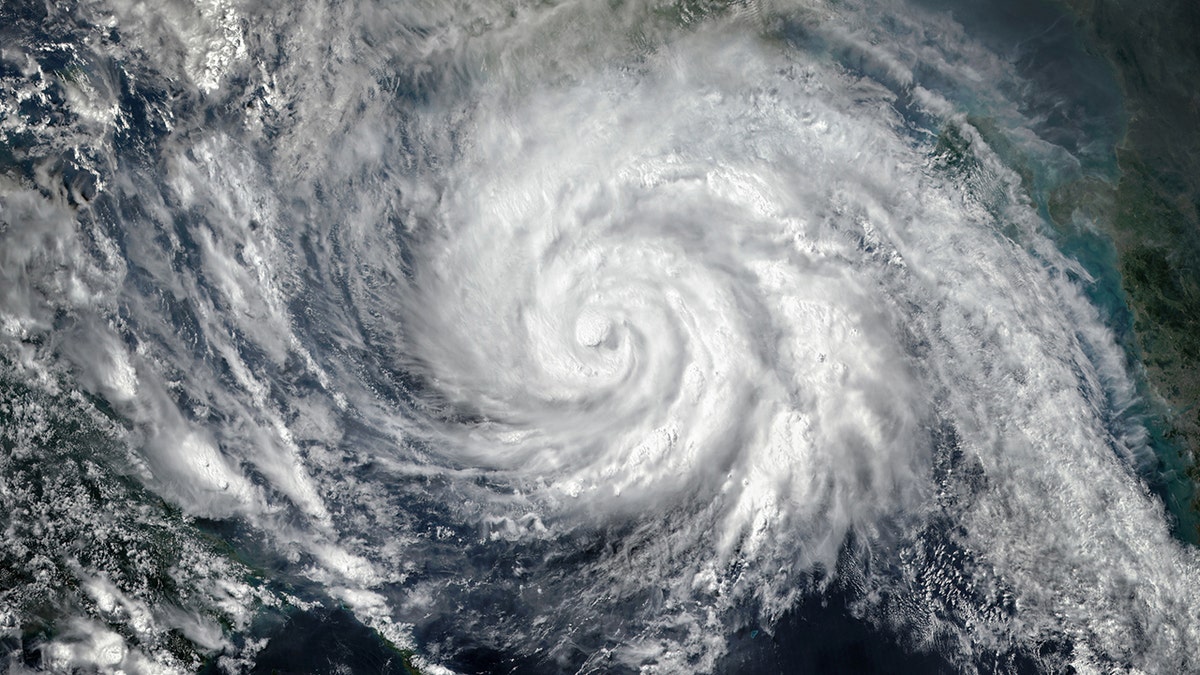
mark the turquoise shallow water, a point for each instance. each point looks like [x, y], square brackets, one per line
[1076, 93]
[1167, 476]
[710, 343]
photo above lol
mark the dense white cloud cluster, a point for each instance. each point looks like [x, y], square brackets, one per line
[649, 322]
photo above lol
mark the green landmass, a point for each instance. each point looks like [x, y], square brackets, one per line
[1155, 207]
[1150, 214]
[68, 518]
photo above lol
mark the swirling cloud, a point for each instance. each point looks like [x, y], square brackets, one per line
[598, 335]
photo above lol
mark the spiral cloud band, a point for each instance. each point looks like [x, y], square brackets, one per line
[630, 321]
[595, 335]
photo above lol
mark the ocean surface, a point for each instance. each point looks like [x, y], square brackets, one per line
[591, 337]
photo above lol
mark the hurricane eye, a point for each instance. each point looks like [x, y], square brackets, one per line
[655, 336]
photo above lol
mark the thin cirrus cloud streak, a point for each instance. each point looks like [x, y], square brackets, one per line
[744, 296]
[455, 288]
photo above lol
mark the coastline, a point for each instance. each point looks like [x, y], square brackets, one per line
[1153, 219]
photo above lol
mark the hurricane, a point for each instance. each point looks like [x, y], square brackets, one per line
[562, 337]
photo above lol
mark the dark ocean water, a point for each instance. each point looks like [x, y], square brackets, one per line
[367, 339]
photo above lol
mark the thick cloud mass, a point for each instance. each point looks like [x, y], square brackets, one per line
[594, 334]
